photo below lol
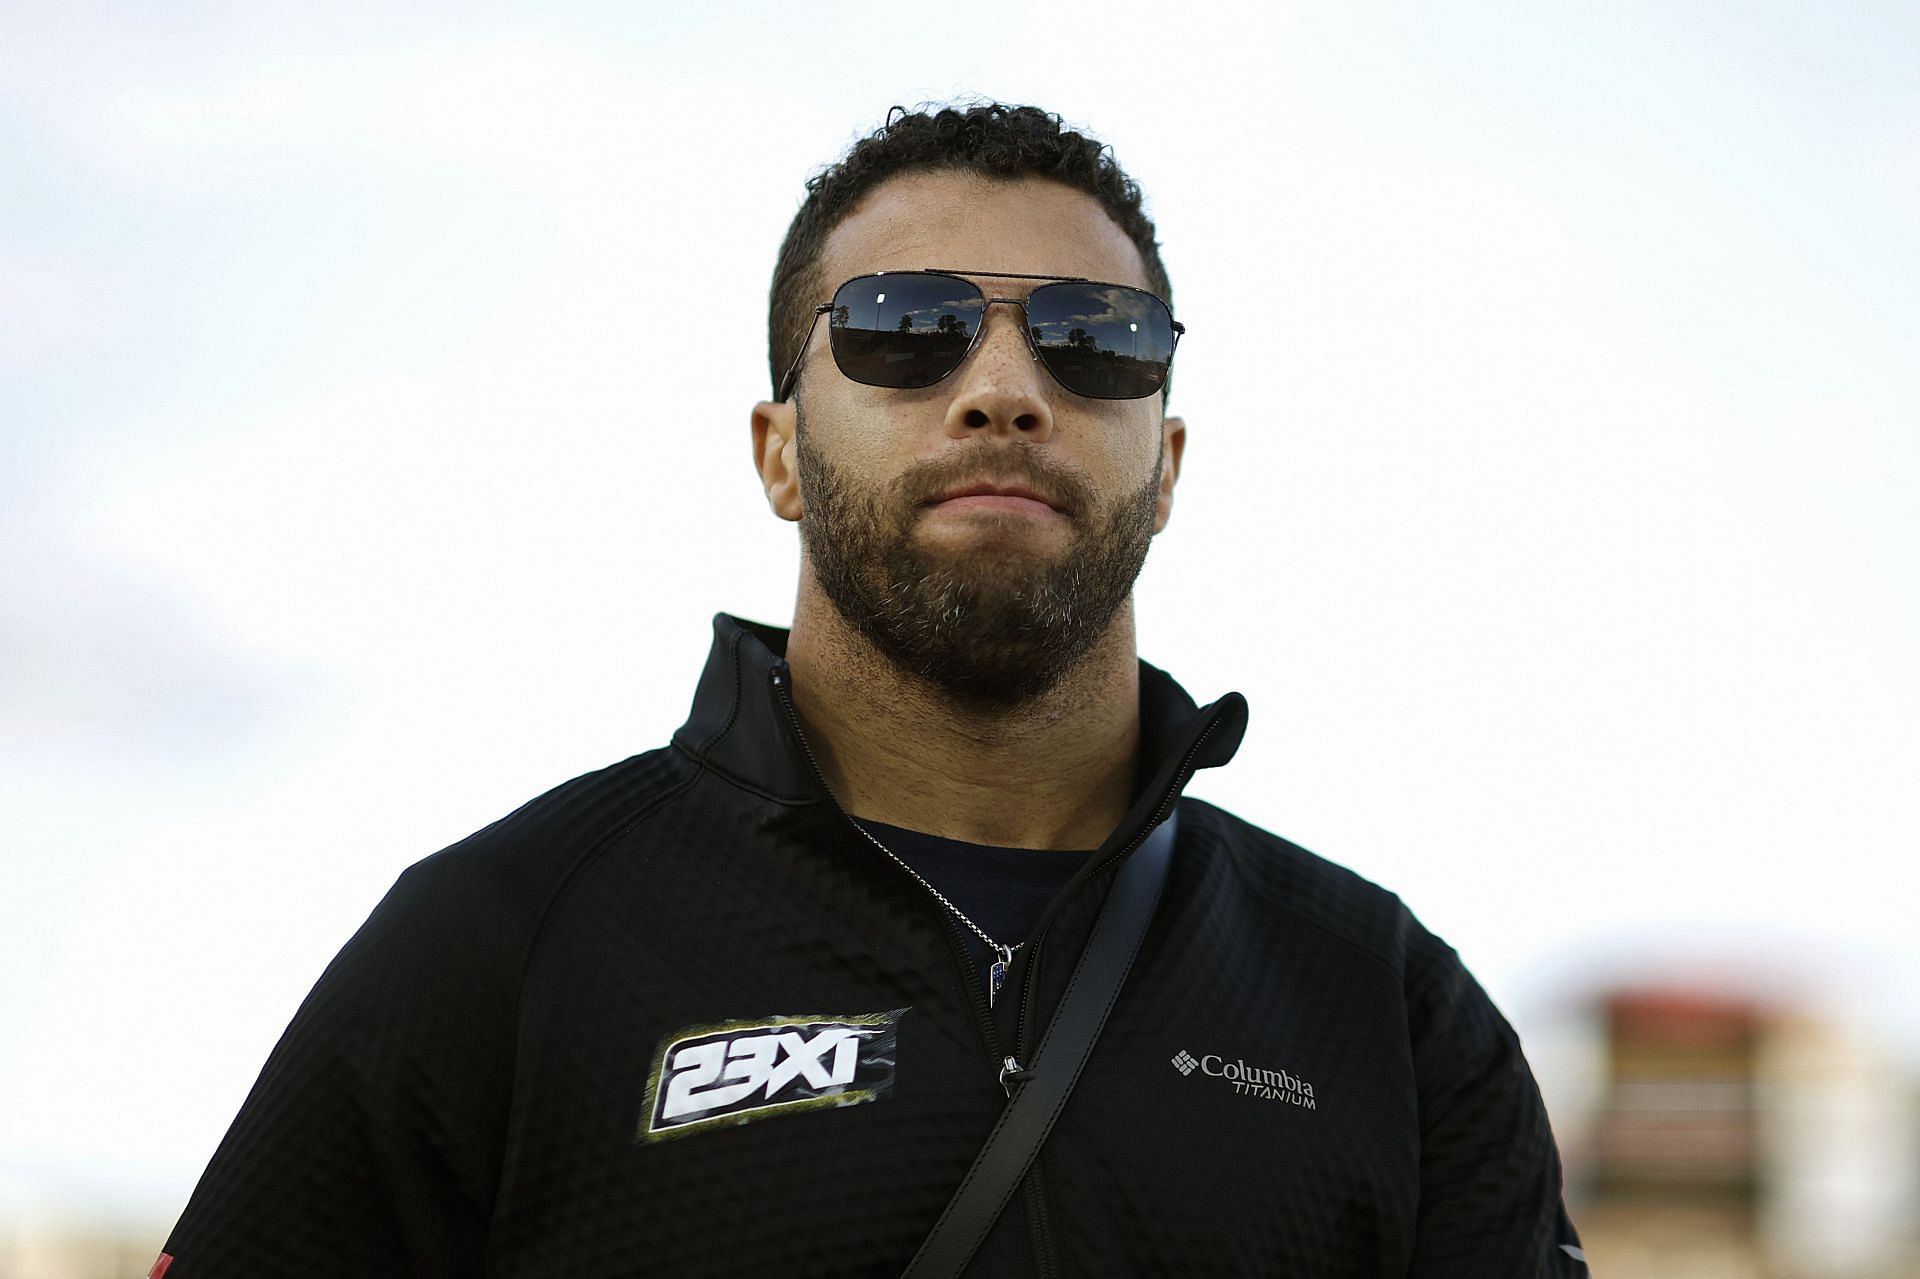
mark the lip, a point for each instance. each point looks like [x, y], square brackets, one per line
[988, 495]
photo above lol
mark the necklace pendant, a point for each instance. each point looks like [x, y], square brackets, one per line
[997, 970]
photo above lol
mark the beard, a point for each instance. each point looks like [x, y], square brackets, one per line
[994, 625]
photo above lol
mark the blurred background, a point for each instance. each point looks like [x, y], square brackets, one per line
[374, 391]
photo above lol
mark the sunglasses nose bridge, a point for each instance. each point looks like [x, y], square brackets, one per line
[1025, 324]
[982, 336]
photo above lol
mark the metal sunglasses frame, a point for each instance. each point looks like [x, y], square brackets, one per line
[967, 277]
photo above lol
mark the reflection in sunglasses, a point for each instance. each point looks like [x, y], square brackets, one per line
[1104, 341]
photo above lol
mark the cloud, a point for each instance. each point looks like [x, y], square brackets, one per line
[104, 660]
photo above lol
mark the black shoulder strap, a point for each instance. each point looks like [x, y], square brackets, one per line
[1028, 1118]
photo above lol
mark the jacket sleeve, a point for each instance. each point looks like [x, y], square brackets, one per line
[1490, 1186]
[371, 1142]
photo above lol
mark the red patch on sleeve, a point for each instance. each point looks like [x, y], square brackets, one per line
[159, 1270]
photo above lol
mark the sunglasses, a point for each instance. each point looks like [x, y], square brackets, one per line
[907, 329]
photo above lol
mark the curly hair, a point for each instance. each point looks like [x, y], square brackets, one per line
[989, 139]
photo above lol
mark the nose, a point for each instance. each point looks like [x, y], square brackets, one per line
[1001, 389]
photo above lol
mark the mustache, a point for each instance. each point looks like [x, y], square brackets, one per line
[1021, 464]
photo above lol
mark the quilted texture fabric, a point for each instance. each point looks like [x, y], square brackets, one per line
[1298, 1080]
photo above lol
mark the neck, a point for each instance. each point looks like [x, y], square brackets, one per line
[1055, 771]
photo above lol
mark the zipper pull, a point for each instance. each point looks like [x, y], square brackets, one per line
[1011, 1073]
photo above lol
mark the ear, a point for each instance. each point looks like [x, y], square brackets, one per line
[775, 456]
[1173, 443]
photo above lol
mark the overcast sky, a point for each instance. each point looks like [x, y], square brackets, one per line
[373, 455]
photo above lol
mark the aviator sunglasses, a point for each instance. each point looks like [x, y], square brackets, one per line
[906, 329]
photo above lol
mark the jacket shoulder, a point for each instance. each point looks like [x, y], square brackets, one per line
[458, 925]
[1344, 906]
[461, 924]
[383, 1104]
[525, 856]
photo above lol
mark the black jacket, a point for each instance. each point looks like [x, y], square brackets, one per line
[676, 1017]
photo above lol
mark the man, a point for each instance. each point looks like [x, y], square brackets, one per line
[753, 1002]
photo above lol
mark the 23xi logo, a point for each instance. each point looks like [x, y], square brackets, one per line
[740, 1071]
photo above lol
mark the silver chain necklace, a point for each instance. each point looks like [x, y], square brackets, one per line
[1003, 955]
[997, 971]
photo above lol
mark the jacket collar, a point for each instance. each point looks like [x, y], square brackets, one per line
[740, 725]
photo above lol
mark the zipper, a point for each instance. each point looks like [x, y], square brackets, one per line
[1039, 1215]
[1028, 984]
[1046, 1255]
[956, 943]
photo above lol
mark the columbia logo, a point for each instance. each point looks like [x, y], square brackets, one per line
[1250, 1081]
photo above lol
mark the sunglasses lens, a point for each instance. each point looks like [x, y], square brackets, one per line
[903, 329]
[1103, 341]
